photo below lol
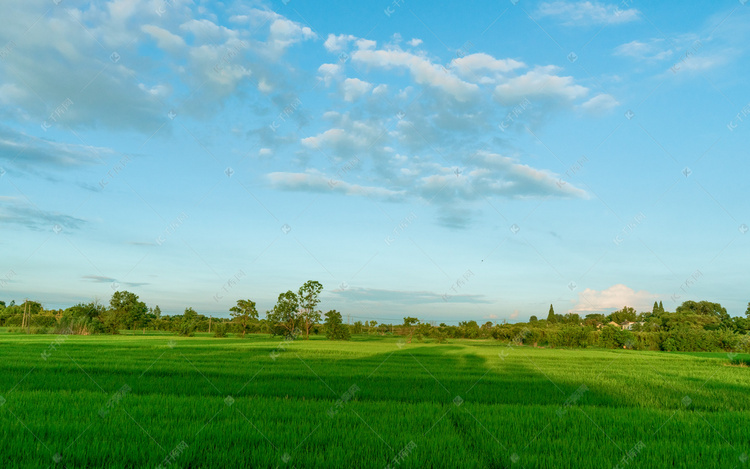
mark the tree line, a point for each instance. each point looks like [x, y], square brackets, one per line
[693, 326]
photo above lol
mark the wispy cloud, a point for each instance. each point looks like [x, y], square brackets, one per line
[588, 13]
[399, 297]
[22, 213]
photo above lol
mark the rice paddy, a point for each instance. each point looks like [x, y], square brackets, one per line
[375, 402]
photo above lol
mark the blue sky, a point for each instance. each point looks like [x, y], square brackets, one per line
[445, 161]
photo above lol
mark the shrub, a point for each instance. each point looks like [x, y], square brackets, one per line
[220, 330]
[187, 328]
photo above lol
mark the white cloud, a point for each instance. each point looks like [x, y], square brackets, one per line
[540, 83]
[415, 42]
[337, 43]
[314, 181]
[284, 33]
[654, 49]
[354, 88]
[588, 13]
[475, 64]
[330, 72]
[613, 298]
[600, 104]
[422, 71]
[164, 39]
[365, 44]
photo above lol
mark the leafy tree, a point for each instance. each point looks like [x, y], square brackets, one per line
[89, 310]
[189, 315]
[625, 314]
[283, 316]
[423, 330]
[409, 323]
[705, 308]
[372, 324]
[308, 300]
[594, 319]
[747, 311]
[533, 319]
[157, 312]
[357, 327]
[655, 309]
[335, 327]
[551, 316]
[128, 311]
[661, 307]
[243, 313]
[469, 329]
[439, 334]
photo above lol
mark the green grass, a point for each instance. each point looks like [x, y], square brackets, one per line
[470, 404]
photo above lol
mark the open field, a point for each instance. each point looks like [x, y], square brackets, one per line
[374, 402]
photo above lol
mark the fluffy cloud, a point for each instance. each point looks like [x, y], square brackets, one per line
[484, 68]
[539, 83]
[600, 104]
[588, 13]
[124, 65]
[613, 298]
[337, 43]
[354, 88]
[423, 71]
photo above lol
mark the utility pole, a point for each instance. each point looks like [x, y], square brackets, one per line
[27, 316]
[210, 318]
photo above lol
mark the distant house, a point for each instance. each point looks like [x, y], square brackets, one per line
[612, 323]
[626, 325]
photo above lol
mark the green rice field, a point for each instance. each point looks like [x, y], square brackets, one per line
[158, 401]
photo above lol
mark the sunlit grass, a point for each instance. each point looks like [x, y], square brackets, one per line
[132, 400]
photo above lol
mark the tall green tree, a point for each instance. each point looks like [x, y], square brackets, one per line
[243, 313]
[128, 312]
[285, 314]
[308, 296]
[661, 307]
[409, 323]
[335, 327]
[704, 308]
[551, 316]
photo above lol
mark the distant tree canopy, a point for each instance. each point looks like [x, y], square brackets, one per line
[284, 315]
[693, 326]
[243, 313]
[335, 327]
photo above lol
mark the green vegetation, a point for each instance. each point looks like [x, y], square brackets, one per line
[702, 326]
[161, 400]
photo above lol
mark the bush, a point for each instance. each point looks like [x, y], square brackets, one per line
[220, 330]
[187, 328]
